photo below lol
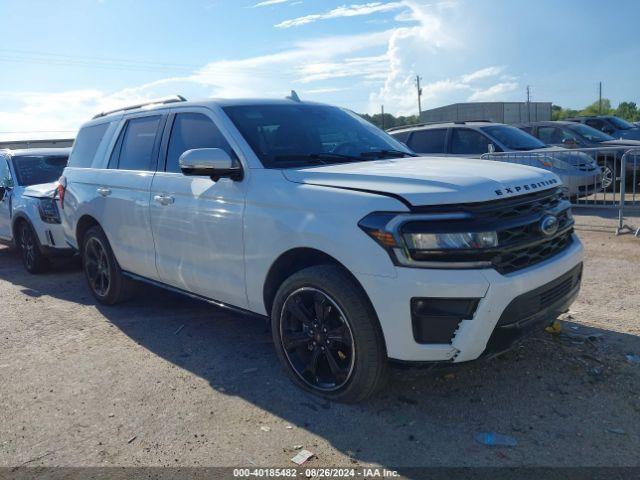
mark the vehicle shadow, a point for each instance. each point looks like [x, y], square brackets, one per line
[543, 393]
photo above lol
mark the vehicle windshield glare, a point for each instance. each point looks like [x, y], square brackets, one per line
[620, 124]
[284, 136]
[513, 138]
[37, 169]
[590, 133]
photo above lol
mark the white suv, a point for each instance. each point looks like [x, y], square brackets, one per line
[357, 251]
[29, 216]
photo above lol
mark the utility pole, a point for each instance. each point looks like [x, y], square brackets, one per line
[528, 103]
[382, 110]
[600, 98]
[419, 97]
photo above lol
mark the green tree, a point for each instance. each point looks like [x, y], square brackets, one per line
[628, 111]
[594, 108]
[389, 120]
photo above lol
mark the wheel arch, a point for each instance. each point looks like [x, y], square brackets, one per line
[293, 261]
[84, 224]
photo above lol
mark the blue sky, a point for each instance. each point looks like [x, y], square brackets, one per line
[64, 61]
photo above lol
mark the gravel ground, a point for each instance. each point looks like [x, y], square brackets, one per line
[168, 381]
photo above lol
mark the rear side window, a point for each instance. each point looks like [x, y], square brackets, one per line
[402, 136]
[469, 142]
[191, 131]
[5, 174]
[428, 141]
[86, 145]
[134, 149]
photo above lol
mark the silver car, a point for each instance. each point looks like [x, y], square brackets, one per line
[496, 141]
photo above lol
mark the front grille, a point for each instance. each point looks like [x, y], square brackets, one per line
[530, 255]
[517, 220]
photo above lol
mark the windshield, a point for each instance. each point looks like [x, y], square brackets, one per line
[37, 169]
[620, 124]
[284, 136]
[513, 138]
[590, 133]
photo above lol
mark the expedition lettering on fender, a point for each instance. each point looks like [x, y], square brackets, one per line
[357, 250]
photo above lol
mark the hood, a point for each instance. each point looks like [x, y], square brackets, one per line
[430, 180]
[633, 134]
[621, 143]
[44, 190]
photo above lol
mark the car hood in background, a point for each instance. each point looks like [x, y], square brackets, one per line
[44, 190]
[633, 134]
[430, 180]
[621, 143]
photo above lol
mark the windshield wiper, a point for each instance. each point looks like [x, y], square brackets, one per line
[318, 157]
[387, 153]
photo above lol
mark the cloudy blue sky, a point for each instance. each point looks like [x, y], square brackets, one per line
[64, 61]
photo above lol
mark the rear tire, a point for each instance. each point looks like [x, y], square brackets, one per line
[33, 259]
[327, 335]
[104, 276]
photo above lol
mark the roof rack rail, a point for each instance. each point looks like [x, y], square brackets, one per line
[158, 101]
[410, 125]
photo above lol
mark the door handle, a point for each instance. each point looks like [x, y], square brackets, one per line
[164, 199]
[104, 191]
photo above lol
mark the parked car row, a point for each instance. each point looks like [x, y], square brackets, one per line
[579, 172]
[355, 250]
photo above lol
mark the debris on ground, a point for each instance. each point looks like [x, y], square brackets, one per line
[618, 431]
[493, 439]
[632, 358]
[554, 328]
[179, 329]
[288, 427]
[297, 447]
[265, 428]
[132, 439]
[302, 457]
[449, 376]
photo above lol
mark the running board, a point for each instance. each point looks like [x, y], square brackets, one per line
[195, 296]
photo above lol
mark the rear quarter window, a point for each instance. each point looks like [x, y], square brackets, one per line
[86, 145]
[428, 141]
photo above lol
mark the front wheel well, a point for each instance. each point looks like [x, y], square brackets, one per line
[293, 261]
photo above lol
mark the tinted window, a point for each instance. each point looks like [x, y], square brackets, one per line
[5, 174]
[513, 138]
[137, 144]
[555, 135]
[595, 123]
[190, 131]
[36, 169]
[429, 141]
[620, 123]
[290, 135]
[590, 133]
[465, 141]
[402, 136]
[86, 145]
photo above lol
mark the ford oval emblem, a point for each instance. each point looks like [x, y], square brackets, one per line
[549, 225]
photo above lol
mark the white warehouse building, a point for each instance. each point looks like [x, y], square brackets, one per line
[502, 112]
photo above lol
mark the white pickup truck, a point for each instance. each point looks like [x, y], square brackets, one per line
[356, 250]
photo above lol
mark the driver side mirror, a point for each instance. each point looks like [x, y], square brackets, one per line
[491, 148]
[3, 191]
[211, 162]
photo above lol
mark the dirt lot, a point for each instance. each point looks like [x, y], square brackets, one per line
[165, 380]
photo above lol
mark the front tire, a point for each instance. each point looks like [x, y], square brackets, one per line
[104, 276]
[32, 257]
[327, 335]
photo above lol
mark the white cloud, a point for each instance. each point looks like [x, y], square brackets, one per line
[343, 11]
[360, 71]
[270, 2]
[494, 92]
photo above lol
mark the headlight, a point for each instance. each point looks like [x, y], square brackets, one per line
[450, 241]
[49, 210]
[425, 238]
[551, 162]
